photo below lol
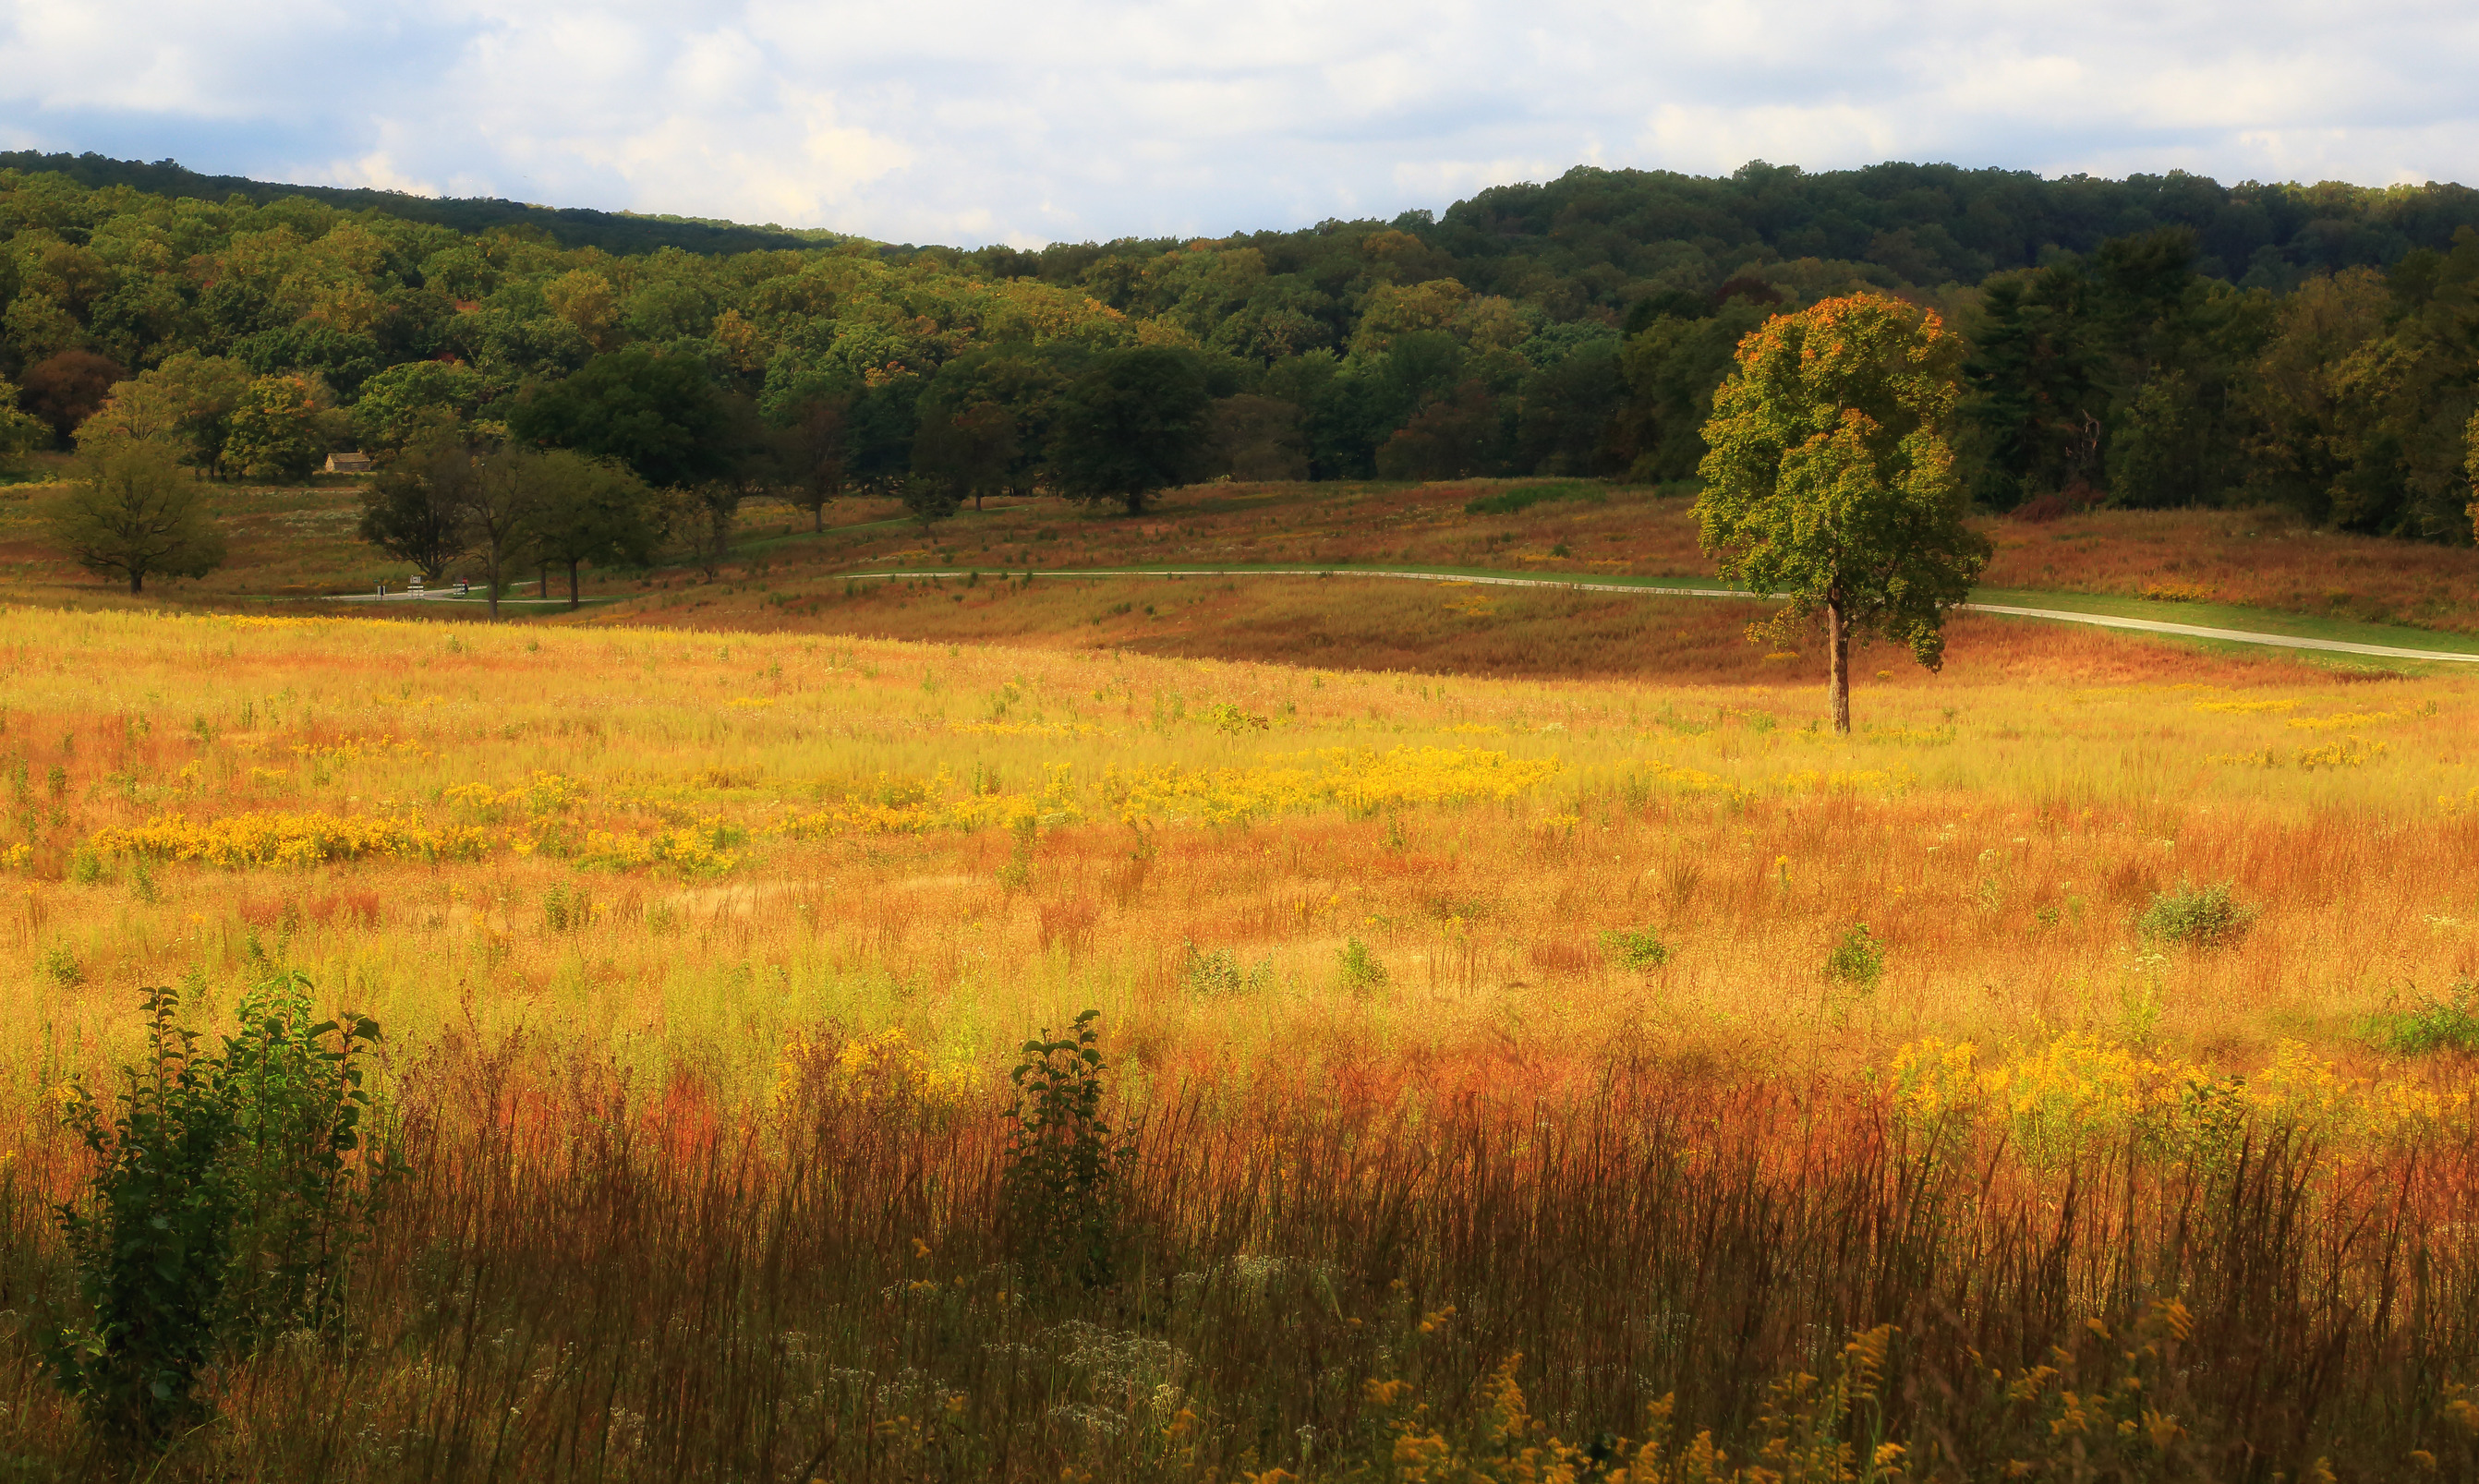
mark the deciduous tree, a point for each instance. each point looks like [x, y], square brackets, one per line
[64, 389]
[588, 511]
[135, 513]
[1830, 481]
[810, 451]
[1139, 421]
[967, 449]
[415, 510]
[20, 433]
[1451, 438]
[276, 429]
[1259, 438]
[497, 503]
[660, 415]
[187, 402]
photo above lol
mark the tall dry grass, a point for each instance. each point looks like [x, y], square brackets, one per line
[704, 955]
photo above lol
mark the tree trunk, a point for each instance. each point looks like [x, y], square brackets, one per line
[137, 580]
[542, 582]
[818, 518]
[492, 576]
[1837, 642]
[572, 586]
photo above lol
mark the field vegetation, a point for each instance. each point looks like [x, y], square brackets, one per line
[1539, 1077]
[298, 541]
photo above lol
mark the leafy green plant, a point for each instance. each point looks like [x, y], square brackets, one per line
[224, 1207]
[558, 912]
[62, 967]
[2449, 1024]
[295, 1087]
[1858, 960]
[152, 1245]
[1216, 972]
[1635, 948]
[2206, 916]
[1064, 1164]
[1017, 873]
[1362, 972]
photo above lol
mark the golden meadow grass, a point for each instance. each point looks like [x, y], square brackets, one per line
[837, 813]
[658, 919]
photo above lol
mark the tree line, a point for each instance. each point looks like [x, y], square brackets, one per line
[2156, 341]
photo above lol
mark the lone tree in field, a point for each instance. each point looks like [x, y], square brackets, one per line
[1138, 422]
[1830, 481]
[135, 513]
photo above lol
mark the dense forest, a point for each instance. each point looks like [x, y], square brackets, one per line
[2155, 341]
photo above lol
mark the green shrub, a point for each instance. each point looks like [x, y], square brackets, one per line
[223, 1208]
[2449, 1024]
[1858, 960]
[1017, 873]
[1635, 948]
[62, 967]
[567, 909]
[1063, 1163]
[1362, 972]
[2206, 916]
[1216, 972]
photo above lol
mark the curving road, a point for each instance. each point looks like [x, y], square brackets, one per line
[2008, 610]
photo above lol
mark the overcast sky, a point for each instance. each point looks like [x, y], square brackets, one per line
[972, 122]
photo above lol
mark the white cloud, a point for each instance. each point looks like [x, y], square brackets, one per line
[982, 120]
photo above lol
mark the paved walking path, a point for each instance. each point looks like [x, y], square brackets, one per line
[1653, 590]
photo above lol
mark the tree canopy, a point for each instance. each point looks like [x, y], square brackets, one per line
[2157, 340]
[1830, 481]
[660, 415]
[1134, 423]
[132, 512]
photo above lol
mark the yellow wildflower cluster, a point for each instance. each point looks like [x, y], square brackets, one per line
[2248, 707]
[2176, 592]
[545, 793]
[267, 620]
[377, 748]
[2345, 719]
[2348, 752]
[2058, 1098]
[1359, 781]
[277, 838]
[885, 1069]
[915, 805]
[1802, 1435]
[692, 849]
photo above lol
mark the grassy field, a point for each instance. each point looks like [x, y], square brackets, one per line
[2189, 564]
[702, 957]
[1543, 1050]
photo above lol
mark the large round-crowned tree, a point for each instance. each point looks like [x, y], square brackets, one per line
[1830, 481]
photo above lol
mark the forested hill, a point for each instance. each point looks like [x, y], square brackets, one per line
[2151, 341]
[1925, 224]
[615, 232]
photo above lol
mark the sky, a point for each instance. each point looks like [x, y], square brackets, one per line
[975, 121]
